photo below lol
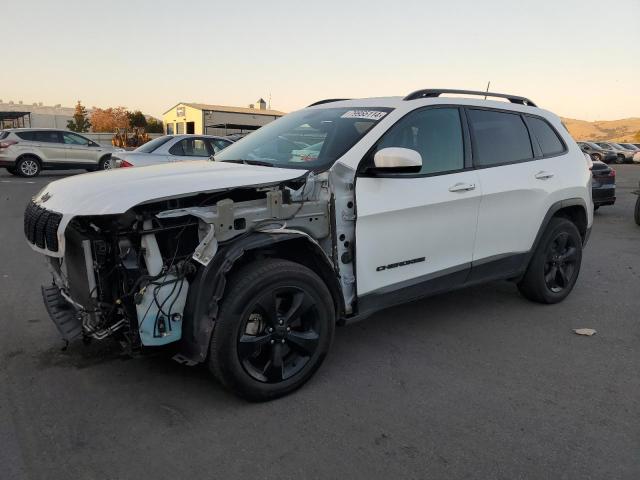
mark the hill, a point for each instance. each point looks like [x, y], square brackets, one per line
[624, 130]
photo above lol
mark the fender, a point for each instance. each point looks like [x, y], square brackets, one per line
[207, 289]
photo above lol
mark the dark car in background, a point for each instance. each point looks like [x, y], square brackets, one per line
[603, 184]
[623, 155]
[597, 153]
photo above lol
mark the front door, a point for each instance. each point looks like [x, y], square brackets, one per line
[415, 232]
[79, 150]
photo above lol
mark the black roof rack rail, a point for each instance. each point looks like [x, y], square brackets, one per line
[436, 92]
[328, 100]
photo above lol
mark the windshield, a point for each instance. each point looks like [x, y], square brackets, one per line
[312, 139]
[153, 144]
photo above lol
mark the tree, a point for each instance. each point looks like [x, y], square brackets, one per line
[155, 126]
[637, 136]
[137, 119]
[80, 122]
[109, 119]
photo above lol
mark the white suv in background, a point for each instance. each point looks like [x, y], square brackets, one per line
[28, 151]
[248, 262]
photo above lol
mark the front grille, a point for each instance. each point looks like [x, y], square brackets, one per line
[41, 227]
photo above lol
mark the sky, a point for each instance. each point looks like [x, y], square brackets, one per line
[577, 58]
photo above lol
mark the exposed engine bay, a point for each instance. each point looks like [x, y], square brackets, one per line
[130, 275]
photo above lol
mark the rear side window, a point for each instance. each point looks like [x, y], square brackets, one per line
[547, 138]
[499, 138]
[46, 137]
[3, 135]
[29, 136]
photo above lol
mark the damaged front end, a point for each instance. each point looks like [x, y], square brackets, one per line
[153, 275]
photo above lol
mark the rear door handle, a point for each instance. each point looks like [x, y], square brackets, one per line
[542, 175]
[462, 187]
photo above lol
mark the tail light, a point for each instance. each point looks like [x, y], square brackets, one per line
[7, 143]
[123, 164]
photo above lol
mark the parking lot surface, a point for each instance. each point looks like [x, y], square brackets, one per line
[477, 383]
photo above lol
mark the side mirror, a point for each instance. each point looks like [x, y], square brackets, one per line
[396, 159]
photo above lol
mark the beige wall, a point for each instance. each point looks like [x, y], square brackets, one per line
[190, 115]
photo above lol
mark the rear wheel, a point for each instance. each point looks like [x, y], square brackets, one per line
[274, 329]
[596, 157]
[619, 158]
[554, 267]
[28, 167]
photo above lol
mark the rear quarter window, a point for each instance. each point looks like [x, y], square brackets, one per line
[26, 135]
[547, 138]
[3, 135]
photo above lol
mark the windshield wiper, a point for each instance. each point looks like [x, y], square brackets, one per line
[250, 162]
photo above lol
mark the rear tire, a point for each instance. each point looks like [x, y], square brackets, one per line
[555, 265]
[619, 159]
[28, 167]
[596, 157]
[273, 331]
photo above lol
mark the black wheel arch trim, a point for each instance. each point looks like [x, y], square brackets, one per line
[208, 287]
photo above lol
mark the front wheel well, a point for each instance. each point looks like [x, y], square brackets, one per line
[577, 215]
[302, 251]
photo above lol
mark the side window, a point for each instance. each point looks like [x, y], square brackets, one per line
[29, 136]
[73, 139]
[499, 138]
[547, 138]
[217, 145]
[435, 133]
[190, 147]
[47, 137]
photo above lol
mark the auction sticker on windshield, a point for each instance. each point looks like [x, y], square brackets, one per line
[365, 114]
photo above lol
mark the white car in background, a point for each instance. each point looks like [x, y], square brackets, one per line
[171, 148]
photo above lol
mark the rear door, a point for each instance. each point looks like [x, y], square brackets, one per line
[415, 232]
[517, 183]
[49, 142]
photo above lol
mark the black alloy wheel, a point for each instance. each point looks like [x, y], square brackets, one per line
[560, 266]
[554, 267]
[280, 335]
[273, 330]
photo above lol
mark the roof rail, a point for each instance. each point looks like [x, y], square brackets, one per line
[328, 100]
[436, 92]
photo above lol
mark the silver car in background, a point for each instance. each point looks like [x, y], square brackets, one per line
[171, 148]
[28, 151]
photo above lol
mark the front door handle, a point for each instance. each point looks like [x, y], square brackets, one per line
[542, 175]
[462, 187]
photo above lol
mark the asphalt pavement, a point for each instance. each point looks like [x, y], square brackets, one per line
[477, 384]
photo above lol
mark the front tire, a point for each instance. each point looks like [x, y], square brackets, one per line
[555, 265]
[274, 329]
[105, 164]
[28, 167]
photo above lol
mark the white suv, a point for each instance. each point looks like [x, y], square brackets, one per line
[249, 261]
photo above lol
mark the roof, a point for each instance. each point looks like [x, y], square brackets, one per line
[13, 115]
[224, 108]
